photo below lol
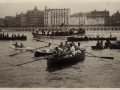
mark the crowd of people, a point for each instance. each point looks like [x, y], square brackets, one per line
[67, 50]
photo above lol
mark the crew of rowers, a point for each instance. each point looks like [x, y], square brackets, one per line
[7, 35]
[18, 46]
[100, 43]
[68, 50]
[67, 32]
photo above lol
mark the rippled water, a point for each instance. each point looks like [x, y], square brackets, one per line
[92, 72]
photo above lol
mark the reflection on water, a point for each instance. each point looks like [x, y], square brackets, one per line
[92, 72]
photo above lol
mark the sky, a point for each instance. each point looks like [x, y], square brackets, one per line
[11, 7]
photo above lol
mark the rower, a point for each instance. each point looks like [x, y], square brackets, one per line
[50, 47]
[21, 45]
[61, 45]
[72, 49]
[98, 43]
[66, 44]
[101, 43]
[110, 35]
[16, 45]
[78, 48]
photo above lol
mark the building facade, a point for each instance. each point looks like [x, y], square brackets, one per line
[21, 19]
[115, 19]
[1, 22]
[77, 20]
[101, 14]
[35, 17]
[56, 17]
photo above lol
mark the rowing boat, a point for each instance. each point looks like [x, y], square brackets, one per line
[98, 47]
[24, 48]
[56, 61]
[89, 39]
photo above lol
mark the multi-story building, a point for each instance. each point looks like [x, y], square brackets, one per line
[84, 19]
[6, 20]
[115, 19]
[21, 19]
[101, 14]
[12, 21]
[56, 17]
[35, 17]
[77, 20]
[1, 22]
[95, 21]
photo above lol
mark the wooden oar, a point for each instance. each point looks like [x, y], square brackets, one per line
[24, 51]
[48, 42]
[100, 57]
[28, 62]
[16, 54]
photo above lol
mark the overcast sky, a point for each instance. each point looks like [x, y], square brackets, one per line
[10, 7]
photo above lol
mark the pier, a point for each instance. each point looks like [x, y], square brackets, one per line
[87, 28]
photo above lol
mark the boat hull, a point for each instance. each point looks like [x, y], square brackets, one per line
[58, 62]
[69, 39]
[97, 47]
[14, 38]
[114, 46]
[55, 36]
[39, 54]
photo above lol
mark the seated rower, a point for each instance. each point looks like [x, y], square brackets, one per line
[98, 43]
[61, 45]
[50, 48]
[21, 45]
[72, 50]
[101, 43]
[66, 44]
[16, 45]
[78, 48]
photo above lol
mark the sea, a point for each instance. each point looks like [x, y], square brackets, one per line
[93, 72]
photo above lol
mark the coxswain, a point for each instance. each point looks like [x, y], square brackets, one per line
[21, 45]
[16, 45]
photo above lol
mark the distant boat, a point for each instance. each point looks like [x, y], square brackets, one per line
[60, 34]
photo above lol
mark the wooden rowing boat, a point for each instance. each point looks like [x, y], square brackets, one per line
[56, 36]
[39, 53]
[70, 39]
[24, 48]
[97, 47]
[114, 46]
[14, 38]
[54, 61]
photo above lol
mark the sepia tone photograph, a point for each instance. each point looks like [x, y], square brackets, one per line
[59, 44]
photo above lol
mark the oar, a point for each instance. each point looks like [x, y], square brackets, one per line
[16, 54]
[100, 57]
[24, 52]
[29, 62]
[48, 42]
